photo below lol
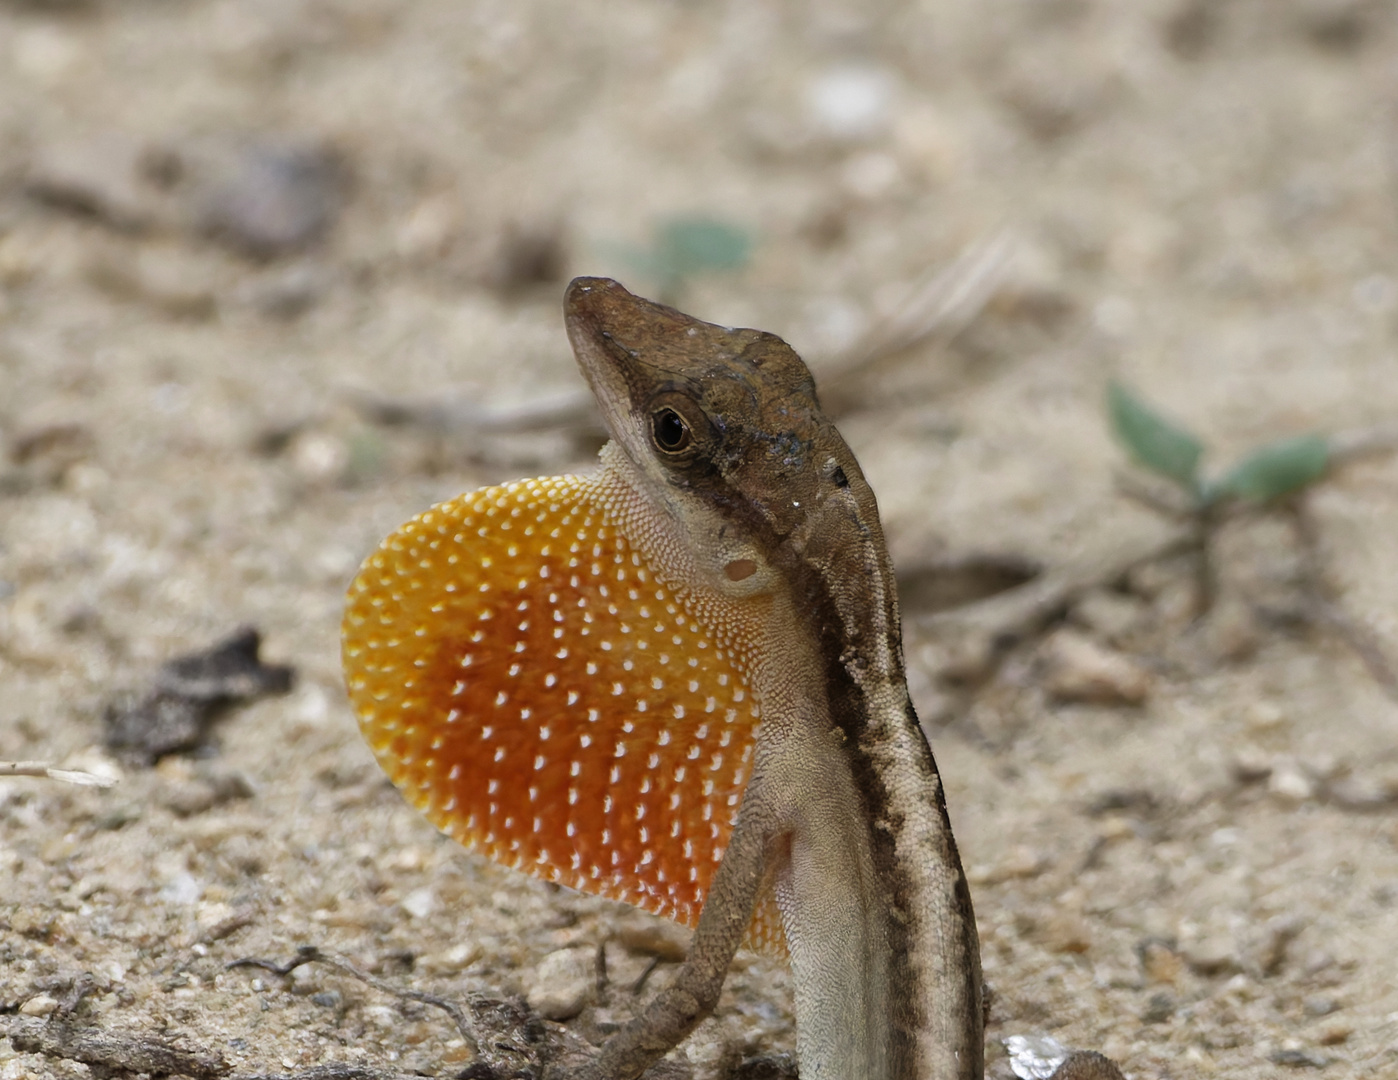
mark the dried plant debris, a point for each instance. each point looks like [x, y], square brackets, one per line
[110, 1054]
[932, 311]
[52, 772]
[549, 427]
[926, 586]
[508, 1038]
[190, 692]
[1196, 614]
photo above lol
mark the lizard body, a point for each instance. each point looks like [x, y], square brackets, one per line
[679, 682]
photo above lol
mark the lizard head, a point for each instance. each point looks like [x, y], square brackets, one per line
[725, 417]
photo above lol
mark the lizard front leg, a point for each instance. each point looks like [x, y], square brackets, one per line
[678, 1009]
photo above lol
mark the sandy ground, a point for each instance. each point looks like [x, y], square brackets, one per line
[1203, 200]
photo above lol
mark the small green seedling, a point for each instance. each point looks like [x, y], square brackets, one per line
[1267, 479]
[1269, 473]
[683, 248]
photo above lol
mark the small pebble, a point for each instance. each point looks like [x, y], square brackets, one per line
[1160, 962]
[420, 903]
[305, 981]
[175, 284]
[1320, 1005]
[624, 967]
[652, 936]
[1298, 1059]
[39, 1005]
[1212, 956]
[1264, 716]
[286, 293]
[1250, 766]
[1108, 614]
[457, 958]
[1035, 1057]
[773, 1066]
[213, 787]
[1276, 943]
[1159, 1009]
[852, 103]
[1289, 783]
[319, 457]
[522, 256]
[1080, 670]
[1087, 1065]
[276, 198]
[183, 889]
[1067, 931]
[970, 660]
[1363, 793]
[186, 800]
[1231, 632]
[564, 983]
[1177, 604]
[1020, 862]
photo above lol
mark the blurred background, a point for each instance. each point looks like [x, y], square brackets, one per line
[275, 276]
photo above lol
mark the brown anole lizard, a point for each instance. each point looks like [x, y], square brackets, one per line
[679, 682]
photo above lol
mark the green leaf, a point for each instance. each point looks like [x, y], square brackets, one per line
[1277, 469]
[1152, 440]
[692, 245]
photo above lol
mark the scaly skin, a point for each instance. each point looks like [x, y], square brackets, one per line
[679, 682]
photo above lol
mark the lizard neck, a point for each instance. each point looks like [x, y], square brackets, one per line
[874, 904]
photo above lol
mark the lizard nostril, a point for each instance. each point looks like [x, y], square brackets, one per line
[740, 569]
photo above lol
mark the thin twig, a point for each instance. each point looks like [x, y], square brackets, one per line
[333, 1071]
[507, 1038]
[1019, 613]
[938, 306]
[1363, 643]
[1321, 604]
[309, 954]
[44, 769]
[1160, 498]
[461, 413]
[1348, 446]
[107, 1053]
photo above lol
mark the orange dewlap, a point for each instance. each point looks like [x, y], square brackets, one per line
[528, 683]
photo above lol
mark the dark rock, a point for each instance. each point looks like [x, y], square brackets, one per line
[276, 198]
[1298, 1059]
[1087, 1065]
[188, 695]
[1158, 1009]
[765, 1067]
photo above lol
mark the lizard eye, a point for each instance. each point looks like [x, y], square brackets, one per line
[670, 432]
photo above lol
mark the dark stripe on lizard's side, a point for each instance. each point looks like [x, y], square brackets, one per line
[851, 710]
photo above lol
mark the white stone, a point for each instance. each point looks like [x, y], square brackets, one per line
[852, 103]
[564, 983]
